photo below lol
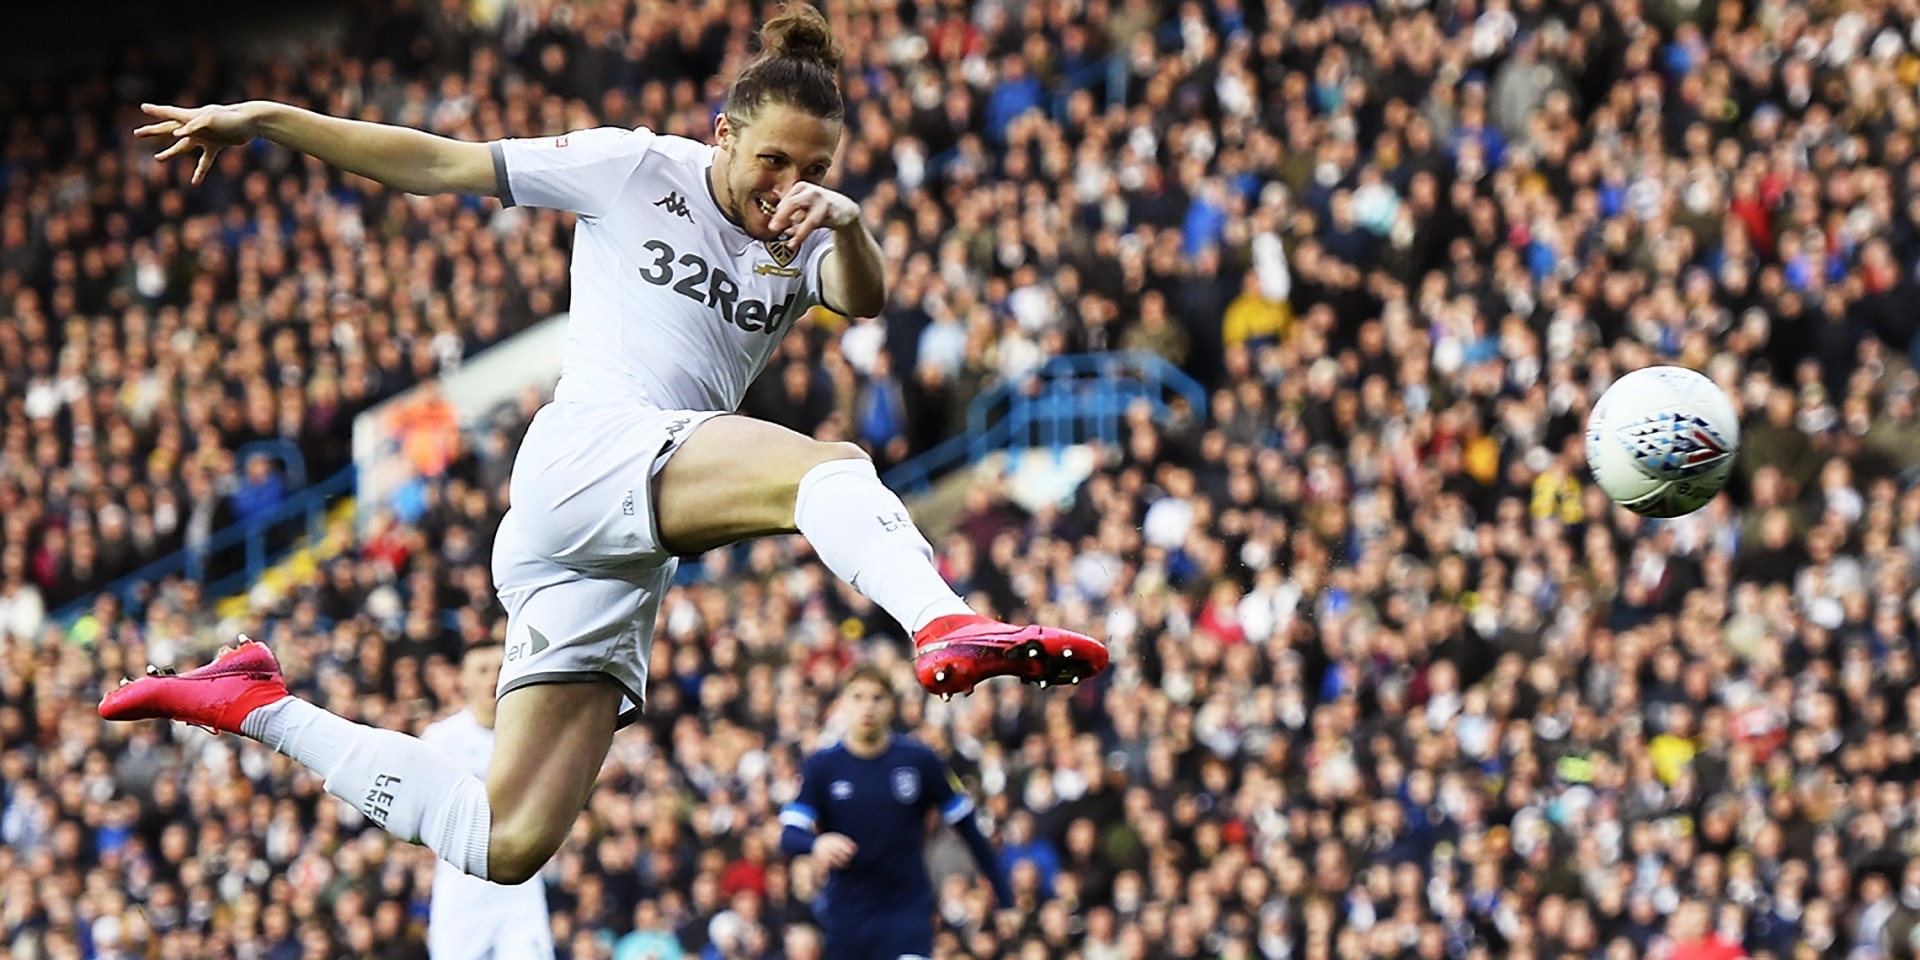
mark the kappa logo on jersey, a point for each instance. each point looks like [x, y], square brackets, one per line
[675, 205]
[906, 784]
[712, 286]
[1674, 446]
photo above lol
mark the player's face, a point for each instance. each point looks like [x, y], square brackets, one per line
[763, 158]
[869, 709]
[480, 674]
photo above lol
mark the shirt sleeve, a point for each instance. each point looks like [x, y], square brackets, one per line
[815, 258]
[946, 792]
[581, 171]
[803, 811]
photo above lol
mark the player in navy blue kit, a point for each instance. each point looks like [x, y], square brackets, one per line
[863, 809]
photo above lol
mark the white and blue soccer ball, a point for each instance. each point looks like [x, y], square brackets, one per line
[1662, 441]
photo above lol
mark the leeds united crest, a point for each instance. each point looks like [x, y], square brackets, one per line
[782, 251]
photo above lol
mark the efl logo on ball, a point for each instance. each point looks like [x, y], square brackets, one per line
[1672, 445]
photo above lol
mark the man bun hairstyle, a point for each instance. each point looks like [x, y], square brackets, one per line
[799, 64]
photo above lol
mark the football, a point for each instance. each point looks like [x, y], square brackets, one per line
[1661, 441]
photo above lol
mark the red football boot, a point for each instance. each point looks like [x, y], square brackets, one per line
[214, 697]
[954, 653]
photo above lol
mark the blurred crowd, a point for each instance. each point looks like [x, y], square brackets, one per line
[1393, 680]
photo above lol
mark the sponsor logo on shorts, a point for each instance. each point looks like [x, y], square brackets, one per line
[535, 644]
[626, 504]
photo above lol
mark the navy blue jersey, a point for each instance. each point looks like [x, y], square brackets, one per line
[881, 805]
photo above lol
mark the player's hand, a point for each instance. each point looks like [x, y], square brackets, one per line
[836, 849]
[807, 207]
[211, 129]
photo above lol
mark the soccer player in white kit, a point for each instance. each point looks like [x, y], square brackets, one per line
[690, 261]
[469, 918]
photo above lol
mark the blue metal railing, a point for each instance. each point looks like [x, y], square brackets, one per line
[1080, 398]
[261, 541]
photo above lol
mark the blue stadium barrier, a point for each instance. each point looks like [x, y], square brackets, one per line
[308, 506]
[1069, 400]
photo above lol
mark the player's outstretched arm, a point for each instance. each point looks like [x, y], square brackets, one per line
[400, 157]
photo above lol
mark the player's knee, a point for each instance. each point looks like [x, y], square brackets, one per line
[827, 452]
[515, 855]
[816, 453]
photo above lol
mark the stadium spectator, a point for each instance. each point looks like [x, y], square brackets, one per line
[260, 491]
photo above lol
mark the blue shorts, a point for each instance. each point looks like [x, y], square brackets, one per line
[880, 936]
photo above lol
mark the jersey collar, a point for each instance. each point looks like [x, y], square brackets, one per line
[706, 177]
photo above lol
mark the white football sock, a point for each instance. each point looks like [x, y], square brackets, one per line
[396, 781]
[863, 534]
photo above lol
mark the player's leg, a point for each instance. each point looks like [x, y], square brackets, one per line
[551, 740]
[577, 569]
[735, 478]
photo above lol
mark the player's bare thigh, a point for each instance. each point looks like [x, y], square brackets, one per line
[550, 740]
[736, 478]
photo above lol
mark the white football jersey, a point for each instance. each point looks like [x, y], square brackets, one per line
[467, 914]
[674, 305]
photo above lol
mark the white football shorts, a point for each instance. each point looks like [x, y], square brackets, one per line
[577, 562]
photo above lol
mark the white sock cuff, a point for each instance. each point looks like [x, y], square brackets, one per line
[465, 827]
[824, 472]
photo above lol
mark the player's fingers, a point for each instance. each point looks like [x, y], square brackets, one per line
[177, 148]
[166, 111]
[811, 222]
[796, 215]
[160, 129]
[206, 163]
[785, 212]
[195, 125]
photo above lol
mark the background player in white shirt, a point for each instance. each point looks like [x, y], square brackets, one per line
[469, 918]
[689, 262]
